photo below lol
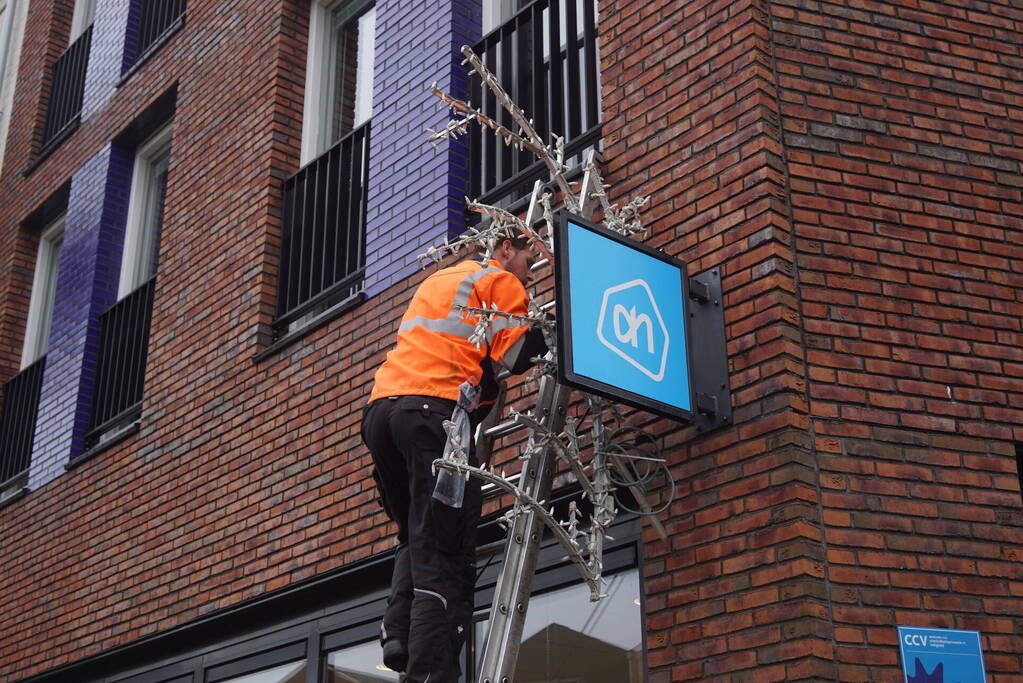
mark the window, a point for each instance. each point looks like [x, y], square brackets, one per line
[150, 23]
[44, 290]
[145, 213]
[358, 663]
[82, 18]
[293, 672]
[17, 427]
[545, 55]
[323, 250]
[20, 401]
[12, 27]
[67, 87]
[124, 328]
[351, 102]
[496, 12]
[339, 79]
[604, 639]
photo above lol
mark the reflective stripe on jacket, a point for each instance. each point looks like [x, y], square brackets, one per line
[433, 355]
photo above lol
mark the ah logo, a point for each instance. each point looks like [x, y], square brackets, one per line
[630, 324]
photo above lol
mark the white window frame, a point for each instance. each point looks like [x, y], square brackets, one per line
[44, 290]
[363, 87]
[319, 87]
[138, 230]
[12, 29]
[496, 12]
[85, 11]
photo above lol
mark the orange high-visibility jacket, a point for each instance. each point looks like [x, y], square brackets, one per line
[433, 355]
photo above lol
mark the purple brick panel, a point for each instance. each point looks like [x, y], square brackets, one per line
[87, 280]
[106, 56]
[132, 35]
[415, 194]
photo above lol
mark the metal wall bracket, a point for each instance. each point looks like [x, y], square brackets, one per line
[709, 358]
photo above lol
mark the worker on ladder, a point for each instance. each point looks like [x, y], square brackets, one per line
[437, 372]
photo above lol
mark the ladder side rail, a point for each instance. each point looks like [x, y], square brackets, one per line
[515, 581]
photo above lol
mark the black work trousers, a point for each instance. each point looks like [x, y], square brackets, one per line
[431, 601]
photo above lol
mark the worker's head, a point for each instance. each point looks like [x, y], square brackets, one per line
[517, 257]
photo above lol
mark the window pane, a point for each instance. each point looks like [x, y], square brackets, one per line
[145, 219]
[364, 72]
[156, 191]
[44, 293]
[82, 17]
[604, 639]
[496, 12]
[53, 247]
[4, 33]
[7, 75]
[352, 87]
[361, 663]
[286, 673]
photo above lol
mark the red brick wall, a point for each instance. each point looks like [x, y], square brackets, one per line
[853, 168]
[244, 476]
[692, 118]
[902, 126]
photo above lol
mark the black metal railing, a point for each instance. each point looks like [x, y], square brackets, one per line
[67, 89]
[546, 58]
[154, 18]
[18, 420]
[121, 361]
[323, 246]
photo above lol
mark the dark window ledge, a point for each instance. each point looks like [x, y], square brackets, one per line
[11, 495]
[51, 146]
[115, 438]
[332, 313]
[153, 49]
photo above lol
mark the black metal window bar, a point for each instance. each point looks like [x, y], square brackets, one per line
[121, 362]
[67, 89]
[155, 18]
[546, 58]
[18, 422]
[323, 246]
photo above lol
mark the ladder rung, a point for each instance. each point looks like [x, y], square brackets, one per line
[504, 428]
[490, 488]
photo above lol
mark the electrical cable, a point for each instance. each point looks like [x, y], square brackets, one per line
[627, 442]
[654, 511]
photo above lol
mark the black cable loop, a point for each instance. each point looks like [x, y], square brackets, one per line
[627, 440]
[662, 508]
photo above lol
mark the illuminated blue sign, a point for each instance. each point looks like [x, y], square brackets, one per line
[622, 321]
[939, 655]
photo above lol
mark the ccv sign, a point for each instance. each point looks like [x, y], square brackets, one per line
[941, 654]
[631, 326]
